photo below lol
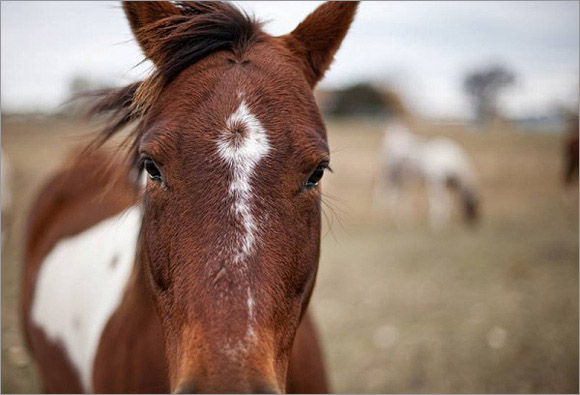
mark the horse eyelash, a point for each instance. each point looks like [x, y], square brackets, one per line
[326, 166]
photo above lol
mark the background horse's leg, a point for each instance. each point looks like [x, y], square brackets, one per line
[393, 194]
[307, 374]
[438, 203]
[380, 187]
[386, 193]
[388, 189]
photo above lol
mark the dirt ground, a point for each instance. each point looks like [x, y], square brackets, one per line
[401, 308]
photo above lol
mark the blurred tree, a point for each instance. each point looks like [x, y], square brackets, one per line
[79, 86]
[484, 86]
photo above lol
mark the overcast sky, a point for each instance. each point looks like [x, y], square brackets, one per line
[423, 48]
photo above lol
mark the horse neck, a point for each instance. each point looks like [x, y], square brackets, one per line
[132, 347]
[138, 301]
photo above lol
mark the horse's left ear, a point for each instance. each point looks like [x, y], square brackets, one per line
[318, 37]
[141, 14]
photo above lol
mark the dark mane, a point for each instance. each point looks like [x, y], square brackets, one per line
[201, 29]
[190, 32]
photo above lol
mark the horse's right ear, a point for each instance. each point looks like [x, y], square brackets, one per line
[143, 13]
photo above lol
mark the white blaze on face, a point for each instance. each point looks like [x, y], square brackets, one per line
[242, 146]
[242, 153]
[80, 285]
[251, 333]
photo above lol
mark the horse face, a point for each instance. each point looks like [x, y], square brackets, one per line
[231, 221]
[234, 148]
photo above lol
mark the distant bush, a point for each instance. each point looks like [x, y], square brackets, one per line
[362, 99]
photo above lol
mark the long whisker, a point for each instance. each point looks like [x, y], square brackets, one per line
[338, 150]
[338, 204]
[329, 221]
[333, 204]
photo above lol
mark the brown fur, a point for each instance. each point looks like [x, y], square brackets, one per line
[184, 311]
[315, 43]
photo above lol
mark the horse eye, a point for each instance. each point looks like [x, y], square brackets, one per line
[315, 177]
[152, 170]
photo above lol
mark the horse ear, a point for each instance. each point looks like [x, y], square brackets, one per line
[143, 13]
[318, 37]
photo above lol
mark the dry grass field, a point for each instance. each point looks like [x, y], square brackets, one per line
[401, 308]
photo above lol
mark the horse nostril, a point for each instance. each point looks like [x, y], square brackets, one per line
[186, 388]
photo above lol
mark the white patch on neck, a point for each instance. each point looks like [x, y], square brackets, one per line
[243, 156]
[81, 284]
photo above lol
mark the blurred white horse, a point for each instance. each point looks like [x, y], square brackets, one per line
[440, 162]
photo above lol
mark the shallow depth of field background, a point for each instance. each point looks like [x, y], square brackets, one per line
[401, 308]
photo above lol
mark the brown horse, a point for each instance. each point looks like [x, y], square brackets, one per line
[197, 279]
